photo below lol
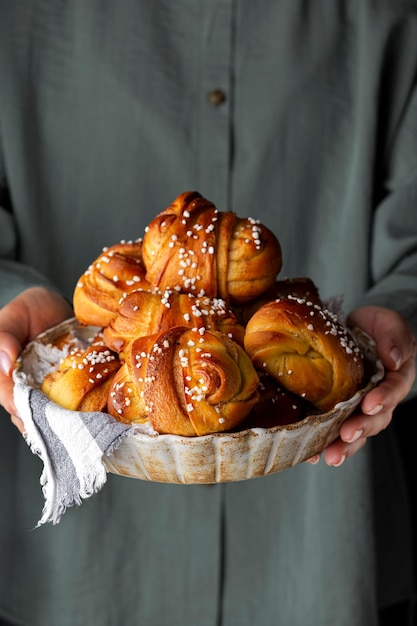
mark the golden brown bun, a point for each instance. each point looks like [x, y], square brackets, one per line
[193, 247]
[174, 308]
[185, 383]
[145, 313]
[306, 349]
[82, 380]
[302, 287]
[117, 271]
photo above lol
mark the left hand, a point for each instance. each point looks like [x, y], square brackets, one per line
[396, 348]
[21, 320]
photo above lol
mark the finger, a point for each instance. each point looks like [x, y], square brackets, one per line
[393, 335]
[13, 334]
[354, 433]
[13, 324]
[339, 451]
[360, 425]
[6, 363]
[391, 391]
[9, 351]
[313, 460]
[395, 349]
[6, 394]
[18, 423]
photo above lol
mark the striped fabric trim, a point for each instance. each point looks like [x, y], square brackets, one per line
[71, 445]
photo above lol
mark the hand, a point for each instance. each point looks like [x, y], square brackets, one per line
[21, 320]
[396, 348]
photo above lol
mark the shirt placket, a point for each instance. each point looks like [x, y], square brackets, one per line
[216, 98]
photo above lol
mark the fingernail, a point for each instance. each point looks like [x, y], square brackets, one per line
[340, 461]
[5, 363]
[314, 459]
[375, 410]
[355, 436]
[396, 356]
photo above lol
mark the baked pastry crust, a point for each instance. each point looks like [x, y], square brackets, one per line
[199, 335]
[117, 271]
[186, 382]
[82, 380]
[305, 348]
[145, 313]
[193, 247]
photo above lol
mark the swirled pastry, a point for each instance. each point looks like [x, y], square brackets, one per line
[185, 382]
[193, 247]
[117, 271]
[301, 287]
[306, 349]
[82, 380]
[193, 316]
[145, 313]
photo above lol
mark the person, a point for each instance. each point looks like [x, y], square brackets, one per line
[300, 114]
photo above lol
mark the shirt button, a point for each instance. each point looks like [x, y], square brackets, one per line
[217, 97]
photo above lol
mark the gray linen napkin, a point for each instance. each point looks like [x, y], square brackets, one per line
[72, 446]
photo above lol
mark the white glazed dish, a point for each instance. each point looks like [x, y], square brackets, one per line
[216, 458]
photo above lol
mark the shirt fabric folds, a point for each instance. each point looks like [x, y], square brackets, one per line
[107, 113]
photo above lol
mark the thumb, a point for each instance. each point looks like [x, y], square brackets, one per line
[24, 317]
[390, 331]
[12, 338]
[10, 349]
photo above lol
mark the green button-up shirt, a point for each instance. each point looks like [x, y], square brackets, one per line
[300, 114]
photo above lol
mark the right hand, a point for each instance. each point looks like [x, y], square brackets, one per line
[21, 320]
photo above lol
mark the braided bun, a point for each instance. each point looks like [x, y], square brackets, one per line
[82, 380]
[305, 348]
[193, 247]
[185, 382]
[117, 271]
[145, 313]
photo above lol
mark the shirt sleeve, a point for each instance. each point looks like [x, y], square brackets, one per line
[15, 276]
[393, 248]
